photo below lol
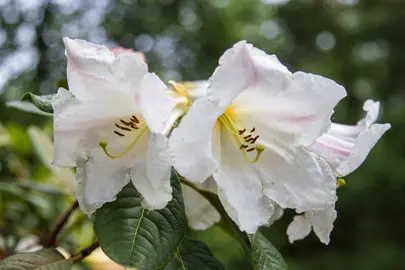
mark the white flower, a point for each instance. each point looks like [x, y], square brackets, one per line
[200, 213]
[250, 133]
[320, 221]
[114, 100]
[345, 148]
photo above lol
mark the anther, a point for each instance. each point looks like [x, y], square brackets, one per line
[247, 137]
[119, 134]
[243, 146]
[254, 139]
[242, 131]
[253, 130]
[134, 119]
[104, 144]
[123, 128]
[250, 140]
[125, 123]
[250, 149]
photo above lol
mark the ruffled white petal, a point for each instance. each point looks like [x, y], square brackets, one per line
[372, 109]
[293, 113]
[240, 189]
[94, 71]
[278, 213]
[322, 222]
[298, 229]
[99, 179]
[121, 50]
[298, 180]
[151, 176]
[346, 147]
[234, 74]
[200, 213]
[159, 108]
[191, 142]
[365, 142]
[196, 89]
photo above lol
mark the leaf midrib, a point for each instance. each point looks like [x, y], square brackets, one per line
[136, 232]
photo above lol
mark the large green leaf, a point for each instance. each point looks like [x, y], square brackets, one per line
[192, 254]
[265, 255]
[44, 103]
[44, 259]
[135, 237]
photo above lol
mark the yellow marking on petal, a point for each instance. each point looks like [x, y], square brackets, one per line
[340, 183]
[104, 145]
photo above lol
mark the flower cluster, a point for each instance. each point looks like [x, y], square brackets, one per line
[256, 134]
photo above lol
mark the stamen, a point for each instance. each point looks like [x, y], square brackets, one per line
[125, 123]
[243, 146]
[123, 128]
[135, 119]
[104, 144]
[253, 130]
[340, 183]
[119, 134]
[254, 139]
[236, 133]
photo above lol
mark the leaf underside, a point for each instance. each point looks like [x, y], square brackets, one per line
[265, 255]
[44, 259]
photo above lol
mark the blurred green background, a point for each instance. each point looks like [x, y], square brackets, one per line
[358, 43]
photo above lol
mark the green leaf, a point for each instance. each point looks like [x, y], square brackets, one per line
[44, 259]
[135, 237]
[192, 254]
[265, 255]
[44, 103]
[27, 107]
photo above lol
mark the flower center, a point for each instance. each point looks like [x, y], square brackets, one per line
[245, 138]
[122, 129]
[181, 89]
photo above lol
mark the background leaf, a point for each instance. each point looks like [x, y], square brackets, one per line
[265, 255]
[135, 237]
[27, 107]
[44, 103]
[44, 259]
[192, 254]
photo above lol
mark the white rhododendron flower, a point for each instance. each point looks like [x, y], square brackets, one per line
[250, 132]
[345, 148]
[200, 213]
[112, 125]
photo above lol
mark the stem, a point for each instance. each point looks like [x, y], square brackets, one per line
[84, 252]
[61, 223]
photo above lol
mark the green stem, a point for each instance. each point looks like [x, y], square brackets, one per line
[61, 223]
[84, 252]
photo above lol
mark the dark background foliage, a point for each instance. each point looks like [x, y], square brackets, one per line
[358, 43]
